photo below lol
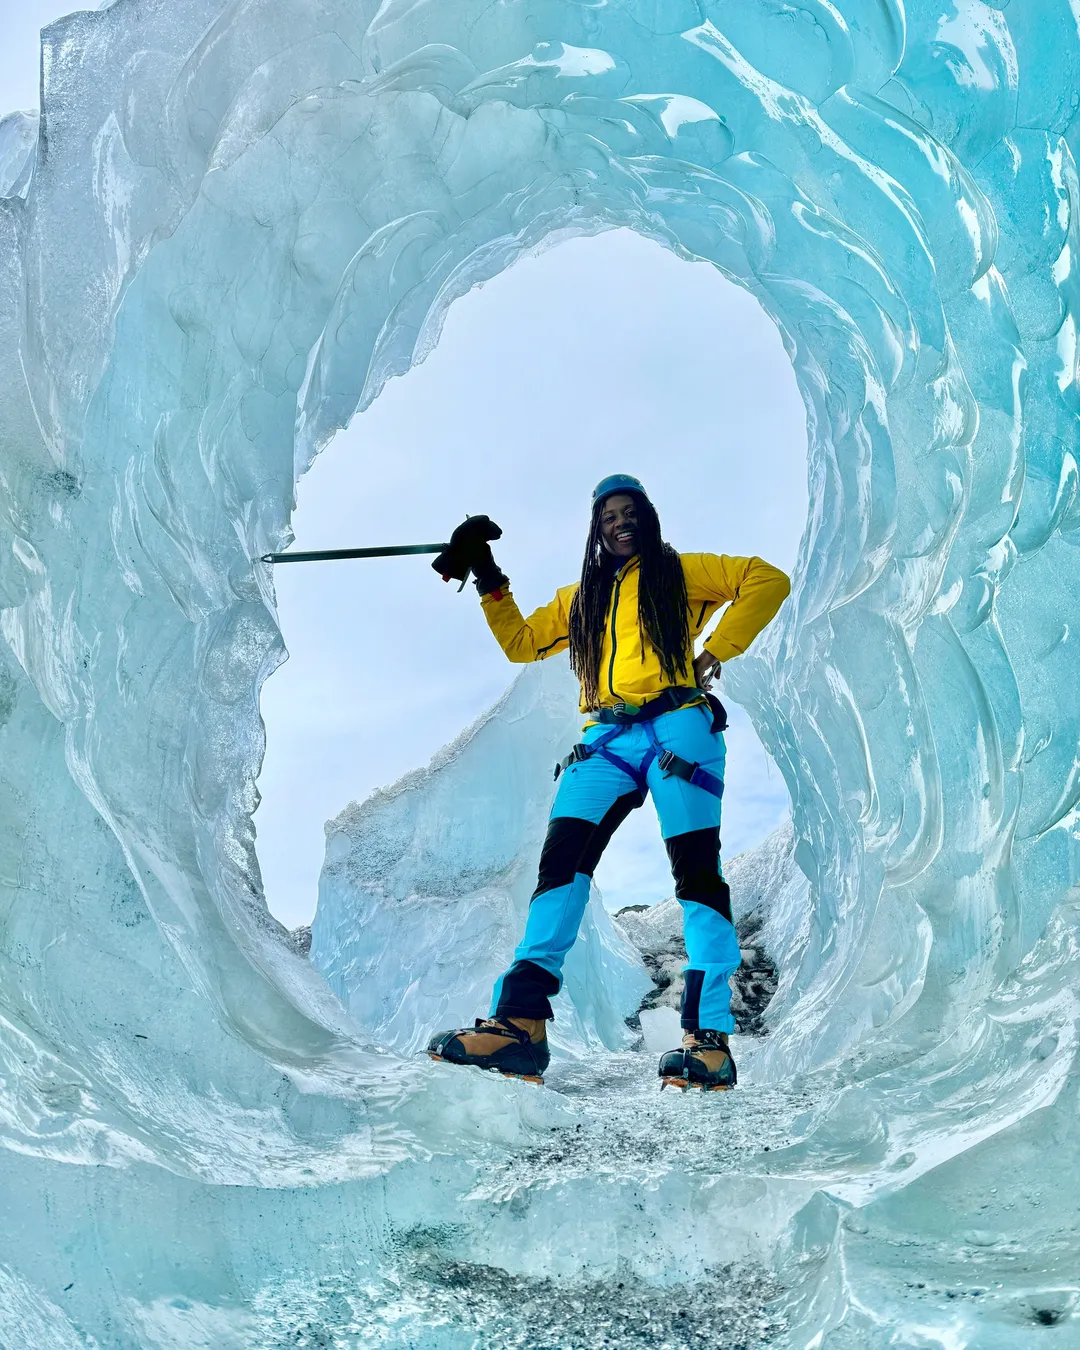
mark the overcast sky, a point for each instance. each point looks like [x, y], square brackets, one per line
[20, 60]
[603, 355]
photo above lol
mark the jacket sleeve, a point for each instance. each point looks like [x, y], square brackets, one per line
[752, 589]
[544, 633]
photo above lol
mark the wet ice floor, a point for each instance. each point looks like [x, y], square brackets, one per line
[610, 1229]
[657, 1160]
[629, 1127]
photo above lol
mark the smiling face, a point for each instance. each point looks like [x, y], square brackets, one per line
[618, 525]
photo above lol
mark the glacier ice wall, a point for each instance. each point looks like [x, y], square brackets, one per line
[426, 885]
[425, 889]
[231, 226]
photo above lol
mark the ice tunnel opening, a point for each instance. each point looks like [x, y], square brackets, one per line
[603, 352]
[327, 290]
[912, 225]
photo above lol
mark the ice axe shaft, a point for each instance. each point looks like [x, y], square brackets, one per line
[332, 554]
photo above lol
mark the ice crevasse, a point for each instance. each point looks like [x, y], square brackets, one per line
[231, 226]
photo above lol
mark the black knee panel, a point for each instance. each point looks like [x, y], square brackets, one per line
[567, 839]
[695, 865]
[601, 837]
[574, 845]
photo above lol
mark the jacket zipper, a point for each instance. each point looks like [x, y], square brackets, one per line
[614, 640]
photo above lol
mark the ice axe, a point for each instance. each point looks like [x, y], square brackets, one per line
[332, 554]
[469, 548]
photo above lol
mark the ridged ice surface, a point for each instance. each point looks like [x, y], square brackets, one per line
[232, 224]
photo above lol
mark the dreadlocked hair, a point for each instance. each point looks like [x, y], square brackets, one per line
[663, 608]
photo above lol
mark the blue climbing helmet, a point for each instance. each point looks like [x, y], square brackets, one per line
[617, 482]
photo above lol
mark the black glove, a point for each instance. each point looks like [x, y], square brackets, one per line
[469, 550]
[490, 579]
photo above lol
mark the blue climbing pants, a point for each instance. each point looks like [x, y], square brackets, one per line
[594, 797]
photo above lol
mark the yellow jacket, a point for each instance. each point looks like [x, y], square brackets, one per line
[752, 590]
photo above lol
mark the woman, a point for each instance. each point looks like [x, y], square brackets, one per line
[630, 626]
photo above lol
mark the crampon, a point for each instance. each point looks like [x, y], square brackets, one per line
[494, 1043]
[704, 1062]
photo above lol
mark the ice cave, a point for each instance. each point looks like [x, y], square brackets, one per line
[230, 226]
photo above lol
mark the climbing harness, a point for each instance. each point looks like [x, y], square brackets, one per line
[671, 765]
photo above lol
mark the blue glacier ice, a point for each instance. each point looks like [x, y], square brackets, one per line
[231, 225]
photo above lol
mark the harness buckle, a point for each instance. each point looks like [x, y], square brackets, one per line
[577, 754]
[671, 763]
[624, 709]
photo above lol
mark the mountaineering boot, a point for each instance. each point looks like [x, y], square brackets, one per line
[704, 1062]
[514, 1046]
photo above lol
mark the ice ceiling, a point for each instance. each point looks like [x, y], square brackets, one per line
[232, 225]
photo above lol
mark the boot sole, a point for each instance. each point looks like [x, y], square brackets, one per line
[684, 1084]
[521, 1077]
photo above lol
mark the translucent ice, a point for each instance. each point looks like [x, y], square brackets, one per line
[232, 225]
[426, 886]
